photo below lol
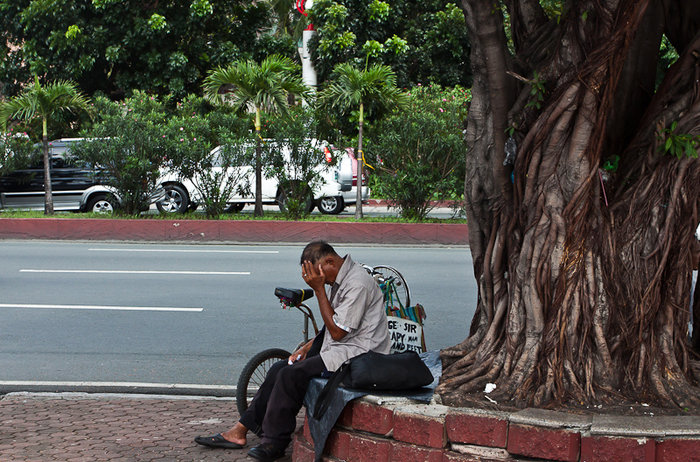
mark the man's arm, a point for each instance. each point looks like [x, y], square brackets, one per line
[301, 352]
[315, 278]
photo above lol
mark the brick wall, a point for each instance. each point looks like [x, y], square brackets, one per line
[369, 431]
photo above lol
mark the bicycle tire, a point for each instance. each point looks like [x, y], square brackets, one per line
[400, 285]
[254, 373]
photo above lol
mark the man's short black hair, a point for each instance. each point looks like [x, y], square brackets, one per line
[317, 250]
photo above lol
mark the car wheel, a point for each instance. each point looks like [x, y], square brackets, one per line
[331, 205]
[100, 203]
[175, 201]
[235, 207]
[282, 202]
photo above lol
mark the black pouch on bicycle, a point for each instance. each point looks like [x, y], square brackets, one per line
[376, 372]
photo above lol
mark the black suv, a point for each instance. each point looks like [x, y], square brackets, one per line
[75, 185]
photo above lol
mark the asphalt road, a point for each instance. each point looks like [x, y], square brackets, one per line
[186, 314]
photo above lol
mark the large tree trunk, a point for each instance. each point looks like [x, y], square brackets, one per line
[584, 280]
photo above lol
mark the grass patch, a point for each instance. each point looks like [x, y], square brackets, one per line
[270, 216]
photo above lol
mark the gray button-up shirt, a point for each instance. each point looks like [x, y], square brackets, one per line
[359, 306]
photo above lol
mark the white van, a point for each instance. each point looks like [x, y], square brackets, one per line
[331, 196]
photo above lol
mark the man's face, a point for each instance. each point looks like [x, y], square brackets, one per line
[330, 270]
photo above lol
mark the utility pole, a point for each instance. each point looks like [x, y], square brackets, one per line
[308, 73]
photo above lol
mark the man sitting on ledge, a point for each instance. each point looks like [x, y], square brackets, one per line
[354, 323]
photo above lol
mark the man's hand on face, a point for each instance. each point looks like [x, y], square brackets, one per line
[313, 275]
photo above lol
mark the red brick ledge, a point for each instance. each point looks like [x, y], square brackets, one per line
[232, 231]
[372, 431]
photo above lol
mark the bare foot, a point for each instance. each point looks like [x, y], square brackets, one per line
[237, 434]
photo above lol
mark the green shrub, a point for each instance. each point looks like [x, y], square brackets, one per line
[298, 173]
[16, 151]
[420, 151]
[127, 140]
[194, 132]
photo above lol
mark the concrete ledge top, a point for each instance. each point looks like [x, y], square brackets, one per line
[427, 410]
[551, 419]
[650, 426]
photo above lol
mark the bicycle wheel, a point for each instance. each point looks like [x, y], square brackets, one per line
[254, 373]
[400, 287]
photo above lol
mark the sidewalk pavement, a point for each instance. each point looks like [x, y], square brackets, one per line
[72, 427]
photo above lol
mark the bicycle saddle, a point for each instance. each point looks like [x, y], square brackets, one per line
[293, 297]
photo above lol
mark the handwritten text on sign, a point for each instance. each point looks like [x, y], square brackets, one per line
[405, 335]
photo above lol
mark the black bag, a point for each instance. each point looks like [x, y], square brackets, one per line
[376, 372]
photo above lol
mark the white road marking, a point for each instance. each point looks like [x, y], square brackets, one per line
[203, 273]
[98, 307]
[186, 250]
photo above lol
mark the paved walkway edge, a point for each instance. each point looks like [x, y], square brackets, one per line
[233, 231]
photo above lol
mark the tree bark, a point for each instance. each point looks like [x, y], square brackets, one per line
[582, 280]
[48, 191]
[695, 340]
[258, 210]
[359, 157]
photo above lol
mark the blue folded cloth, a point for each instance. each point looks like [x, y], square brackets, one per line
[321, 428]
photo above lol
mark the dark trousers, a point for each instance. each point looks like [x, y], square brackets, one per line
[272, 413]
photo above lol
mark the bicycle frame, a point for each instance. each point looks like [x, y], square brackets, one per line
[389, 290]
[308, 315]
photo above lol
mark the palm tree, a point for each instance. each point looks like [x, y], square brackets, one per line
[355, 88]
[289, 21]
[257, 87]
[44, 102]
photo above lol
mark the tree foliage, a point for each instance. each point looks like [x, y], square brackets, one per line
[584, 281]
[422, 41]
[111, 46]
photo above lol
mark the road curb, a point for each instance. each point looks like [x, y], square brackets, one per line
[127, 388]
[233, 231]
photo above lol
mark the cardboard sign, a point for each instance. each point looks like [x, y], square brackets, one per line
[405, 335]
